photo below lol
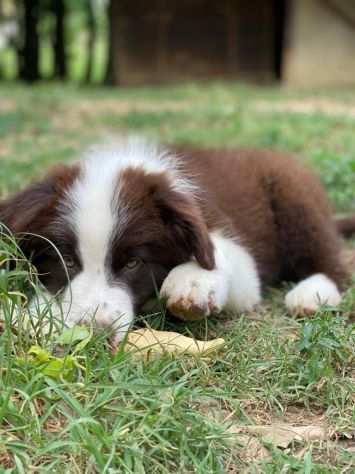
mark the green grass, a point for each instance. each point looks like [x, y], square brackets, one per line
[117, 414]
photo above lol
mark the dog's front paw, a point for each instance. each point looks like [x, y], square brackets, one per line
[192, 293]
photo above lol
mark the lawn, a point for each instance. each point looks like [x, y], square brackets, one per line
[113, 414]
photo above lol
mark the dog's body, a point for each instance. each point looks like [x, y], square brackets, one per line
[209, 228]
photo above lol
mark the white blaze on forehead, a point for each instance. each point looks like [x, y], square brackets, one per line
[96, 213]
[136, 152]
[95, 209]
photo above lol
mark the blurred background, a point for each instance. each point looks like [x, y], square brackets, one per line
[263, 73]
[128, 42]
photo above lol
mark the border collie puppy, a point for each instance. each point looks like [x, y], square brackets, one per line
[209, 228]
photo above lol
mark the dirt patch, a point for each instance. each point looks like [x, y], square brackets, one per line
[6, 458]
[295, 430]
[329, 107]
[5, 148]
[123, 106]
[7, 105]
[74, 117]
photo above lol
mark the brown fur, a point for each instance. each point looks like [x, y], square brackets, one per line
[30, 214]
[165, 228]
[346, 226]
[32, 209]
[272, 204]
[275, 205]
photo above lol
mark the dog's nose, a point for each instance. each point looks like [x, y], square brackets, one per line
[98, 315]
[103, 322]
[102, 318]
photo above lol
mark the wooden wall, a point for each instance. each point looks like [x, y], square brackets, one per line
[176, 40]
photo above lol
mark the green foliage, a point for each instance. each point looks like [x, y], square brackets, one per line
[327, 346]
[339, 180]
[284, 462]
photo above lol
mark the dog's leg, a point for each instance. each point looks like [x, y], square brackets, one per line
[309, 245]
[193, 293]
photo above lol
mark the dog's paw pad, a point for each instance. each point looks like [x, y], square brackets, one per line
[192, 293]
[192, 309]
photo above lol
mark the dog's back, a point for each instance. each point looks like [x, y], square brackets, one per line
[274, 204]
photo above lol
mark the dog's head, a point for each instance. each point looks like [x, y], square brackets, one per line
[120, 220]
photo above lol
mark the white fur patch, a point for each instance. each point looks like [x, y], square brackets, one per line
[234, 284]
[93, 209]
[92, 216]
[116, 314]
[137, 152]
[311, 293]
[94, 299]
[239, 267]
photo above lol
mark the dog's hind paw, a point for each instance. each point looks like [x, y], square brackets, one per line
[310, 294]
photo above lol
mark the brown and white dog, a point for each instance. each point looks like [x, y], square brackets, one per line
[209, 228]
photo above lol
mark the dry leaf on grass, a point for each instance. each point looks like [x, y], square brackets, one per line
[149, 342]
[283, 435]
[252, 449]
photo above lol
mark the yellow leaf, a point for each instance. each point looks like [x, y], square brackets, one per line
[149, 342]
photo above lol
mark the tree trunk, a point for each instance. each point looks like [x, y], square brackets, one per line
[112, 76]
[91, 27]
[29, 56]
[60, 57]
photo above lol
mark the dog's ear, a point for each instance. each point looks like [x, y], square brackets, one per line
[186, 225]
[30, 210]
[27, 210]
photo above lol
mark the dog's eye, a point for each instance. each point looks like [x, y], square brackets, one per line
[134, 263]
[69, 262]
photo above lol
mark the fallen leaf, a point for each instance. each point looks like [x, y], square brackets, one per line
[283, 435]
[149, 342]
[252, 449]
[249, 447]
